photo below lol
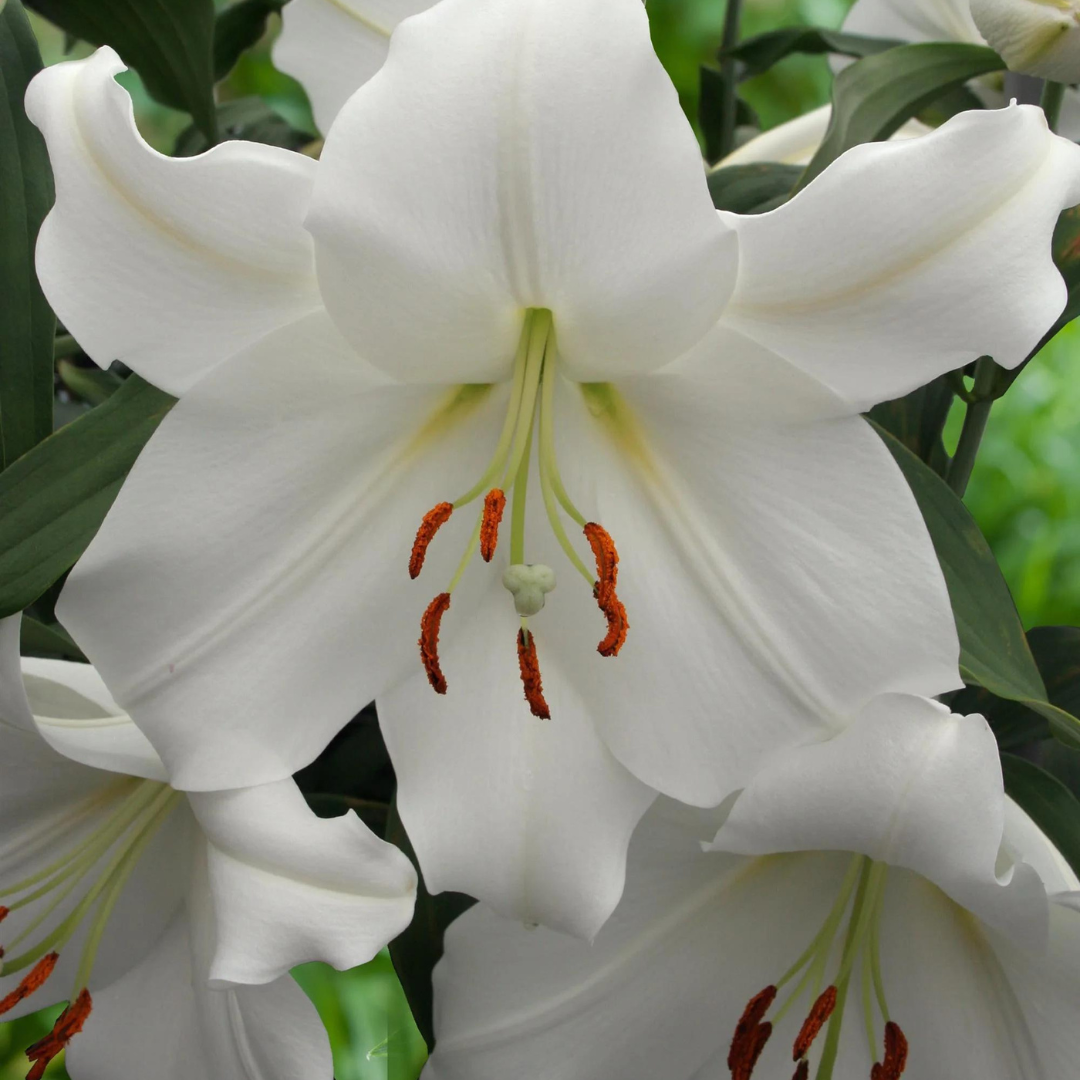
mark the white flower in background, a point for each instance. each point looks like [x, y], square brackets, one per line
[796, 141]
[1034, 36]
[168, 921]
[537, 326]
[332, 46]
[870, 902]
[1038, 37]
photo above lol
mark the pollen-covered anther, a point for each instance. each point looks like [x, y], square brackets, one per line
[530, 675]
[429, 641]
[34, 980]
[4, 912]
[751, 1035]
[819, 1014]
[802, 1071]
[896, 1052]
[607, 572]
[494, 504]
[68, 1024]
[434, 520]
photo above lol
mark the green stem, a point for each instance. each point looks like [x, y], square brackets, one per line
[1052, 96]
[728, 76]
[978, 412]
[64, 345]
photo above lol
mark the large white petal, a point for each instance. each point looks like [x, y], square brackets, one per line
[77, 716]
[335, 46]
[514, 154]
[531, 816]
[271, 518]
[907, 259]
[660, 989]
[776, 577]
[169, 264]
[162, 1021]
[289, 887]
[909, 784]
[914, 20]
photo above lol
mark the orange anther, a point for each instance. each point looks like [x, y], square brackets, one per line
[4, 912]
[434, 519]
[68, 1024]
[429, 641]
[530, 675]
[803, 1070]
[820, 1012]
[750, 1034]
[896, 1052]
[33, 980]
[607, 572]
[494, 504]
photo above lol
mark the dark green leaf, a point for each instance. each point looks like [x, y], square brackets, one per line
[89, 383]
[56, 496]
[354, 766]
[417, 949]
[875, 96]
[957, 100]
[994, 652]
[917, 420]
[247, 118]
[37, 639]
[373, 814]
[1048, 802]
[758, 54]
[170, 43]
[238, 28]
[748, 189]
[27, 324]
[711, 110]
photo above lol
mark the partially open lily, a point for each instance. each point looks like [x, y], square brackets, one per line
[168, 921]
[543, 357]
[872, 907]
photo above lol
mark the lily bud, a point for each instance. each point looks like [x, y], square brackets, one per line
[1037, 37]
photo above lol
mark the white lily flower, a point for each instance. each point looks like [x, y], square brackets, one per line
[875, 898]
[334, 46]
[1026, 33]
[511, 251]
[168, 921]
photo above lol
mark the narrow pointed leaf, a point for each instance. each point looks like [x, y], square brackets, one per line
[918, 419]
[55, 497]
[169, 43]
[752, 188]
[994, 652]
[759, 53]
[239, 27]
[875, 96]
[1048, 802]
[27, 324]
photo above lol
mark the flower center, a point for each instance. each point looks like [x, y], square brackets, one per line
[860, 901]
[138, 809]
[532, 406]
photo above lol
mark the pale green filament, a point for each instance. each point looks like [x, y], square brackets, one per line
[539, 334]
[146, 814]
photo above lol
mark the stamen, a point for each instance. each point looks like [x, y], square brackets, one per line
[530, 675]
[751, 1051]
[746, 1031]
[429, 641]
[494, 504]
[33, 980]
[812, 1025]
[607, 571]
[434, 519]
[803, 1071]
[896, 1052]
[69, 1023]
[4, 913]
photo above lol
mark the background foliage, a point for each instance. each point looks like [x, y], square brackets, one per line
[1024, 492]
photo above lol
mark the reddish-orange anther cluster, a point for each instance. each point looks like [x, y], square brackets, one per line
[820, 1012]
[434, 519]
[429, 641]
[607, 571]
[68, 1024]
[34, 980]
[494, 504]
[802, 1072]
[530, 675]
[896, 1051]
[751, 1034]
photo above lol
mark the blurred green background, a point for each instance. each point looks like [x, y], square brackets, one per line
[1025, 491]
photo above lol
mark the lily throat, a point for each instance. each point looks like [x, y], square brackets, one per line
[90, 875]
[530, 411]
[859, 902]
